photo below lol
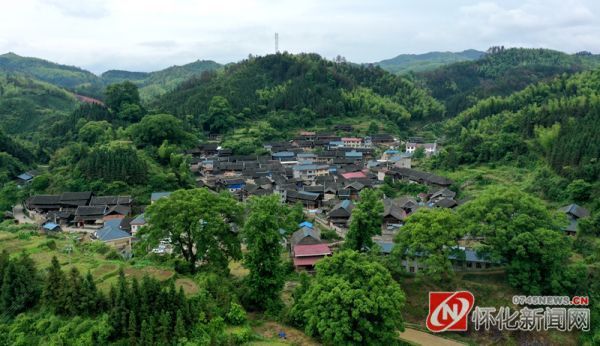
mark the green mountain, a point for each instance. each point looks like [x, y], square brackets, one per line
[557, 120]
[503, 72]
[157, 83]
[27, 104]
[291, 91]
[69, 77]
[405, 63]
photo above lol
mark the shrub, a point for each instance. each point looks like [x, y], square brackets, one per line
[113, 255]
[236, 314]
[241, 336]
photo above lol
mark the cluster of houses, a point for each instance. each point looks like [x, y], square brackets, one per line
[323, 172]
[106, 218]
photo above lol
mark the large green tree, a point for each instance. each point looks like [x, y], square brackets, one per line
[519, 230]
[220, 117]
[351, 301]
[430, 236]
[201, 225]
[366, 220]
[261, 232]
[124, 100]
[156, 128]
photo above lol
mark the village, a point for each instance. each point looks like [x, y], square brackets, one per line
[323, 172]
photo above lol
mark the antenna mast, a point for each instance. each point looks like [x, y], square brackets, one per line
[276, 43]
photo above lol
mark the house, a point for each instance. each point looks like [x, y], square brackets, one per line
[573, 212]
[343, 127]
[306, 158]
[116, 212]
[382, 139]
[354, 175]
[354, 189]
[352, 142]
[429, 148]
[112, 234]
[463, 259]
[232, 185]
[43, 203]
[419, 177]
[309, 200]
[75, 199]
[50, 226]
[306, 235]
[444, 203]
[306, 256]
[442, 194]
[389, 154]
[111, 200]
[309, 171]
[394, 215]
[25, 178]
[155, 196]
[340, 214]
[90, 214]
[137, 223]
[354, 155]
[284, 156]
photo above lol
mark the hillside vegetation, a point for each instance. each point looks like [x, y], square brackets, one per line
[557, 120]
[405, 63]
[154, 84]
[294, 91]
[500, 73]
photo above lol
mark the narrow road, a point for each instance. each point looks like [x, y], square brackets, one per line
[20, 216]
[425, 339]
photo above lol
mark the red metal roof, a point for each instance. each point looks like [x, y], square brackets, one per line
[307, 261]
[354, 175]
[311, 250]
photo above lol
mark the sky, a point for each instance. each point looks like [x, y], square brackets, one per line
[147, 35]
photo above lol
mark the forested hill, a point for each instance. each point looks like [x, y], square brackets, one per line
[500, 73]
[153, 84]
[27, 104]
[405, 63]
[558, 120]
[69, 77]
[292, 91]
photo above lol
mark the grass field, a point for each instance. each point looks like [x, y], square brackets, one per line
[42, 248]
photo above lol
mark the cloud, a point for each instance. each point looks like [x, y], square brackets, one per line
[89, 9]
[147, 34]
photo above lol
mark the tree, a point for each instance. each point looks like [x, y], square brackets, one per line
[156, 128]
[55, 288]
[95, 131]
[200, 225]
[20, 286]
[373, 128]
[352, 300]
[430, 236]
[124, 100]
[538, 261]
[366, 220]
[520, 231]
[500, 213]
[220, 117]
[261, 231]
[419, 153]
[579, 190]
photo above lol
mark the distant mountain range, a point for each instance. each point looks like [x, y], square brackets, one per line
[405, 63]
[84, 82]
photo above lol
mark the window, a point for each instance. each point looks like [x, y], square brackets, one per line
[412, 269]
[469, 264]
[478, 265]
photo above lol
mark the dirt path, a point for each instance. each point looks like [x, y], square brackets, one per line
[425, 339]
[20, 216]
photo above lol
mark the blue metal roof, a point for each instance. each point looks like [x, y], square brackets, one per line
[284, 154]
[345, 203]
[354, 154]
[138, 220]
[305, 224]
[112, 231]
[50, 226]
[25, 176]
[309, 167]
[391, 151]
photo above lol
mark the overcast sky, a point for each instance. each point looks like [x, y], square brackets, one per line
[145, 35]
